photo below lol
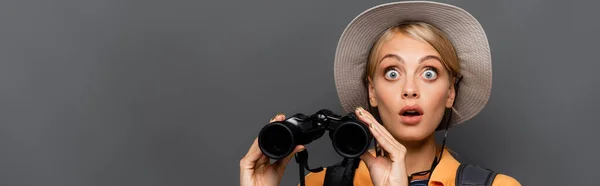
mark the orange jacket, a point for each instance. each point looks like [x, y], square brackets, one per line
[444, 174]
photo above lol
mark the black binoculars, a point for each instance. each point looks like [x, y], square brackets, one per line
[350, 137]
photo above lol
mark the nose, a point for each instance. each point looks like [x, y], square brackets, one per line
[410, 91]
[410, 94]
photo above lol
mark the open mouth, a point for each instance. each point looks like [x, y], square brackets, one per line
[411, 115]
[411, 112]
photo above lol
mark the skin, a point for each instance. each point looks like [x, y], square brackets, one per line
[412, 61]
[420, 79]
[415, 63]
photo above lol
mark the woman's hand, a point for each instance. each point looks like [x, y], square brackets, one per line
[256, 168]
[388, 170]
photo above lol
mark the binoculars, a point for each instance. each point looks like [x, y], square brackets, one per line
[350, 137]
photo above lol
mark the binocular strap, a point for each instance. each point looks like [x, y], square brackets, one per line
[341, 174]
[302, 160]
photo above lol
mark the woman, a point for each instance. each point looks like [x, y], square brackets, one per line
[405, 63]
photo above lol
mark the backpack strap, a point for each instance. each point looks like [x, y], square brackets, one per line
[341, 174]
[474, 175]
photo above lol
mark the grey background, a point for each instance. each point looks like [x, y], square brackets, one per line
[125, 92]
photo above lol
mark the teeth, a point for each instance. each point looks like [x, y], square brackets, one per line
[411, 111]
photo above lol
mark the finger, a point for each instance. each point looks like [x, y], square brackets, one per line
[394, 150]
[394, 147]
[387, 142]
[253, 154]
[278, 117]
[282, 163]
[373, 120]
[381, 128]
[383, 131]
[363, 115]
[262, 161]
[379, 151]
[367, 117]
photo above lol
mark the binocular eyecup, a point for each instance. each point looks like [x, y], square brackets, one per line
[350, 137]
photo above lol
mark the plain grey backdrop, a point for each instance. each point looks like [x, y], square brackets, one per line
[156, 93]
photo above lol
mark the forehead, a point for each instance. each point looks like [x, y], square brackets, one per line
[406, 46]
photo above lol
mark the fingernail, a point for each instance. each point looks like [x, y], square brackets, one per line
[275, 117]
[359, 109]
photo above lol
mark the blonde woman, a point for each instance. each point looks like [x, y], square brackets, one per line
[407, 69]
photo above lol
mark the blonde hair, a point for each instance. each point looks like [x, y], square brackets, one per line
[420, 31]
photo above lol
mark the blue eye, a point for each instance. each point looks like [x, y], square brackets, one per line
[430, 74]
[391, 74]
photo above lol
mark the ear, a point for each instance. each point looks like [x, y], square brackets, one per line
[451, 96]
[372, 97]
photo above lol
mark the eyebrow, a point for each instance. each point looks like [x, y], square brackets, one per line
[402, 60]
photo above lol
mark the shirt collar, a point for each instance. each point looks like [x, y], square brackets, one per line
[445, 171]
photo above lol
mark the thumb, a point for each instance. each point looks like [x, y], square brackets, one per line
[282, 163]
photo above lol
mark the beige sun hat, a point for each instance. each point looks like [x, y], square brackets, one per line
[463, 30]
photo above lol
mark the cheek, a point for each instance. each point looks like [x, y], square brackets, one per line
[435, 96]
[434, 101]
[387, 94]
[388, 101]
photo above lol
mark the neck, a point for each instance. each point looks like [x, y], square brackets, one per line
[420, 154]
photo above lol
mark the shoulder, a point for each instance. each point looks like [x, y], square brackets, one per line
[477, 173]
[505, 180]
[500, 179]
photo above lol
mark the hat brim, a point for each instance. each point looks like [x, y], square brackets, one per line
[463, 30]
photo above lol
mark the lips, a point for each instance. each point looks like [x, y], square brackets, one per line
[411, 115]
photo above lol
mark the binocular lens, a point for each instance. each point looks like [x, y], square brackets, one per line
[349, 136]
[351, 139]
[276, 140]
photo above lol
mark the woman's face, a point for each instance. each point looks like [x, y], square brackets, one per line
[410, 88]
